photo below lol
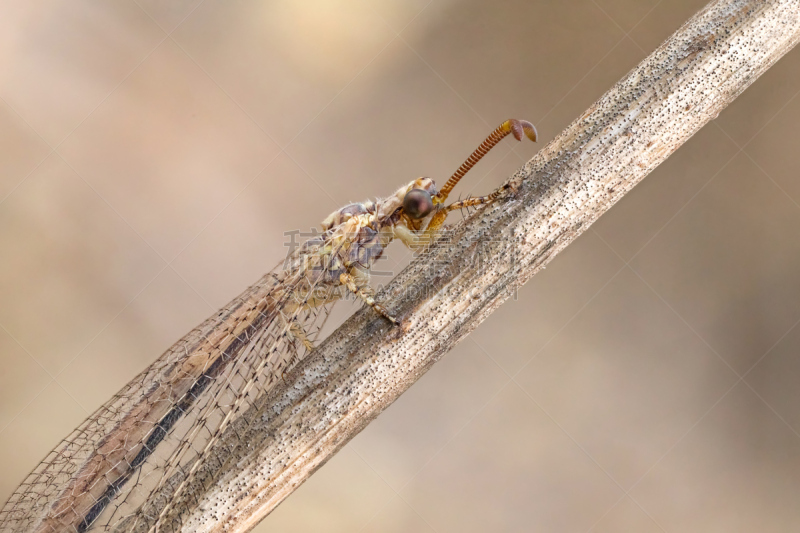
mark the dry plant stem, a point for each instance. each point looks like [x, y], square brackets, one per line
[366, 364]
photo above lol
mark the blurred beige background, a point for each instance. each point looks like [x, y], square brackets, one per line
[153, 154]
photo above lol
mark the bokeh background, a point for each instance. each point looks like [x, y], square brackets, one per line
[152, 154]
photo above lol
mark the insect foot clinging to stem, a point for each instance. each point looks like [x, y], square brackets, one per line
[355, 236]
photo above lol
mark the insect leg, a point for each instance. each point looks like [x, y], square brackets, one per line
[478, 200]
[297, 331]
[359, 287]
[413, 241]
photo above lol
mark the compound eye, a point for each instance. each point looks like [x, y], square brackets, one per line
[417, 203]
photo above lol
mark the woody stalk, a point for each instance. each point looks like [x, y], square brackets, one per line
[446, 292]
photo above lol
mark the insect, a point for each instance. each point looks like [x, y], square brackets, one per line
[131, 465]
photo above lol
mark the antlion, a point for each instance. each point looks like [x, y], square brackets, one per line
[131, 461]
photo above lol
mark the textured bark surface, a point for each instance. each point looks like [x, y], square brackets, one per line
[443, 295]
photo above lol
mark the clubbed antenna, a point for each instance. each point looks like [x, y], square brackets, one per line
[514, 126]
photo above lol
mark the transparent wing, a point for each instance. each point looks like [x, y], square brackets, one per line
[152, 437]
